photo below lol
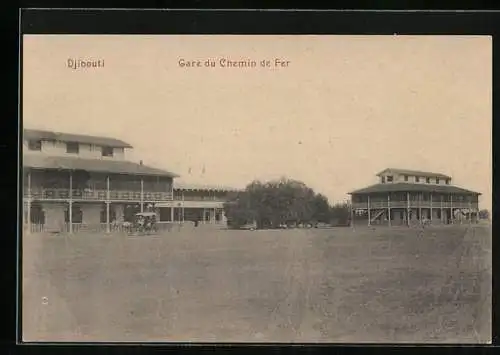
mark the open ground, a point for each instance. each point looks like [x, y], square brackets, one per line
[374, 285]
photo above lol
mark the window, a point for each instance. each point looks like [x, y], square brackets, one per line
[417, 179]
[428, 180]
[382, 179]
[35, 145]
[107, 151]
[406, 177]
[390, 179]
[72, 147]
[437, 181]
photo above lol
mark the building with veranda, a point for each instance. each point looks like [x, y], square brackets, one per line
[404, 196]
[77, 182]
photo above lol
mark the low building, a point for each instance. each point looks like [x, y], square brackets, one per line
[73, 182]
[196, 203]
[403, 196]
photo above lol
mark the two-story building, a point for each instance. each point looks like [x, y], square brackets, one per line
[402, 196]
[73, 181]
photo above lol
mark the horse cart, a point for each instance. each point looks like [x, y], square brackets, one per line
[144, 224]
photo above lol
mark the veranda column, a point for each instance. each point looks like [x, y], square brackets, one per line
[470, 210]
[476, 201]
[369, 215]
[70, 212]
[172, 197]
[451, 208]
[408, 208]
[182, 211]
[420, 207]
[142, 194]
[352, 214]
[389, 209]
[442, 214]
[431, 207]
[28, 212]
[107, 204]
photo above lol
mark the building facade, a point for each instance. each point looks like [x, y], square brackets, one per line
[196, 203]
[73, 182]
[403, 197]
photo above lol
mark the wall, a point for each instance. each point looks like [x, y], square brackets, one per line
[118, 153]
[91, 213]
[89, 151]
[54, 216]
[86, 151]
[412, 179]
[26, 149]
[54, 148]
[49, 148]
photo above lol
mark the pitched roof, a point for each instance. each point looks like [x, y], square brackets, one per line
[187, 186]
[408, 187]
[36, 161]
[414, 173]
[70, 137]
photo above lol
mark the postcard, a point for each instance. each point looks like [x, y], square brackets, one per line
[257, 188]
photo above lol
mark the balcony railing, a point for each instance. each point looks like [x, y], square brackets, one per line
[414, 204]
[97, 195]
[198, 198]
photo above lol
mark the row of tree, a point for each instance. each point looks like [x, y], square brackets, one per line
[281, 202]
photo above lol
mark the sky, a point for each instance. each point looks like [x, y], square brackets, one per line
[343, 109]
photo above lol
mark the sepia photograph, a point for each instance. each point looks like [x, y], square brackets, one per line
[256, 189]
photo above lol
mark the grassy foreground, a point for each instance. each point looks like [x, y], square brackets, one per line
[201, 284]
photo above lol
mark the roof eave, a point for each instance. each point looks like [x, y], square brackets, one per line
[363, 191]
[383, 171]
[84, 139]
[416, 173]
[171, 175]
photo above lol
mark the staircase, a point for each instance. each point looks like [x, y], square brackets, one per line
[377, 215]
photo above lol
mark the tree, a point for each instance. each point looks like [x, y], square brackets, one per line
[277, 202]
[321, 208]
[341, 214]
[238, 211]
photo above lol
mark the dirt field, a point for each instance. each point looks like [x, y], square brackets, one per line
[330, 285]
